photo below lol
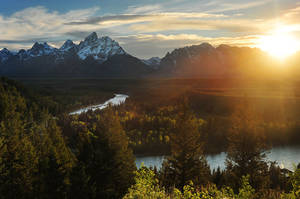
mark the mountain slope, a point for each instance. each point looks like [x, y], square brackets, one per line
[93, 56]
[204, 60]
[99, 48]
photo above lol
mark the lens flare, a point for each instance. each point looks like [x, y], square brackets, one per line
[280, 44]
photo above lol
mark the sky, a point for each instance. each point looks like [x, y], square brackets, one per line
[146, 28]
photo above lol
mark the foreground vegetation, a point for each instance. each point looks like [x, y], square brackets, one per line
[46, 154]
[147, 186]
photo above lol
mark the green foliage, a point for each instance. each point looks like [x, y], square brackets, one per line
[247, 150]
[295, 178]
[211, 192]
[34, 159]
[106, 165]
[295, 192]
[18, 167]
[149, 132]
[56, 162]
[146, 186]
[187, 162]
[246, 191]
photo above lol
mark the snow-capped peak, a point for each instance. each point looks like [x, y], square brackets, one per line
[154, 61]
[67, 45]
[4, 51]
[99, 48]
[38, 45]
[4, 54]
[91, 38]
[39, 49]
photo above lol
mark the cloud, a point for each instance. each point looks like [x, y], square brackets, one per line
[292, 15]
[192, 38]
[38, 22]
[138, 18]
[208, 6]
[150, 45]
[144, 9]
[79, 35]
[288, 21]
[225, 6]
[231, 25]
[21, 41]
[111, 19]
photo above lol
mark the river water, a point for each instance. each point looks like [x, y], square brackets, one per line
[286, 157]
[116, 100]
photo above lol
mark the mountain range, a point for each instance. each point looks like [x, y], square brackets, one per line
[104, 57]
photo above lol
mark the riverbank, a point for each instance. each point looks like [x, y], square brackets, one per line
[116, 100]
[286, 157]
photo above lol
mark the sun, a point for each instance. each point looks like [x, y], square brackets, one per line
[279, 44]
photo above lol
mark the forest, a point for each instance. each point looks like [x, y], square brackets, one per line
[47, 153]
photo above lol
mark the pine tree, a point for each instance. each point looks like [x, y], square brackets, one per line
[105, 162]
[18, 157]
[35, 161]
[55, 162]
[18, 166]
[187, 162]
[247, 150]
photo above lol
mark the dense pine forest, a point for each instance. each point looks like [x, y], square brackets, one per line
[47, 153]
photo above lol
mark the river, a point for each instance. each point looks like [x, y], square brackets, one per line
[116, 100]
[286, 157]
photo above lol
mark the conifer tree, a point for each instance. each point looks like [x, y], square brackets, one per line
[247, 150]
[105, 162]
[187, 162]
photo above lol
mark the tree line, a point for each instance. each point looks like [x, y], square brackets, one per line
[91, 155]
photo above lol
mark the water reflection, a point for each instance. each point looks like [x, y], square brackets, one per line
[287, 157]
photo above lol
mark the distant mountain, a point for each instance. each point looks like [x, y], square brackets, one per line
[68, 46]
[104, 57]
[153, 62]
[5, 55]
[204, 60]
[201, 59]
[39, 49]
[99, 48]
[89, 57]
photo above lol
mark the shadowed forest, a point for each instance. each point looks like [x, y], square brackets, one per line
[47, 153]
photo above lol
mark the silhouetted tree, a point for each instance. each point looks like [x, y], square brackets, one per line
[187, 162]
[35, 162]
[55, 164]
[105, 163]
[247, 150]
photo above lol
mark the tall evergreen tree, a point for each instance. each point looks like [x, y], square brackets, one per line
[55, 162]
[18, 157]
[105, 162]
[35, 161]
[18, 167]
[247, 149]
[187, 162]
